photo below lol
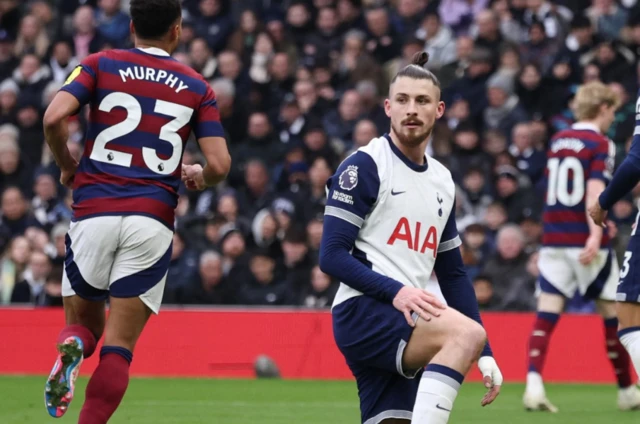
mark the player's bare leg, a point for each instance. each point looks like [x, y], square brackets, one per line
[448, 346]
[629, 331]
[550, 306]
[108, 384]
[628, 394]
[76, 342]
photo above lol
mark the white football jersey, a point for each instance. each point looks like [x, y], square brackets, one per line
[405, 213]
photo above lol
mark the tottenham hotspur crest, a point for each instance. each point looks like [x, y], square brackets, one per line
[349, 178]
[440, 202]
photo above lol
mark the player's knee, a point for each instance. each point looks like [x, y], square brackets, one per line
[471, 338]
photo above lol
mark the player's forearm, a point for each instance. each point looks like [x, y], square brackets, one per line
[213, 176]
[338, 238]
[457, 288]
[623, 181]
[56, 134]
[594, 189]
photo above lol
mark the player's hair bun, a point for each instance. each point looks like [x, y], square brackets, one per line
[420, 59]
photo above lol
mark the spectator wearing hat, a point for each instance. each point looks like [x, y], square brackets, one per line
[266, 233]
[505, 110]
[290, 121]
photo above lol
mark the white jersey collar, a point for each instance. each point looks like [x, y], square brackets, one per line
[154, 51]
[586, 126]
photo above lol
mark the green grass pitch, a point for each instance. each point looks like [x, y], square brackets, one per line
[207, 401]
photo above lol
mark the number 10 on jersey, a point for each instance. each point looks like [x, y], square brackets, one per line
[558, 187]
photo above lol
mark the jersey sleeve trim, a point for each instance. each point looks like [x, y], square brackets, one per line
[345, 215]
[449, 244]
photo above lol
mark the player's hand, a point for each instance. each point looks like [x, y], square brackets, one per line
[412, 299]
[491, 377]
[192, 177]
[67, 175]
[590, 250]
[597, 214]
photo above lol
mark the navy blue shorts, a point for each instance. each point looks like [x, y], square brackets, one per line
[372, 336]
[629, 286]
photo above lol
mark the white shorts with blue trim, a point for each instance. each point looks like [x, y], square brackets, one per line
[119, 256]
[562, 273]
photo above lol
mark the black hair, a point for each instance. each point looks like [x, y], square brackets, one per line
[416, 70]
[152, 19]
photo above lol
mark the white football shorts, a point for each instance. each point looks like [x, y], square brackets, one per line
[562, 273]
[121, 256]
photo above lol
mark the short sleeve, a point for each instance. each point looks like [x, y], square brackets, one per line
[208, 117]
[450, 238]
[353, 189]
[81, 82]
[603, 161]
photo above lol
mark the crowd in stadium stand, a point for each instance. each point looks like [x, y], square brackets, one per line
[300, 85]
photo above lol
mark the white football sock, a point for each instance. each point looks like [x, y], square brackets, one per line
[535, 386]
[631, 342]
[435, 398]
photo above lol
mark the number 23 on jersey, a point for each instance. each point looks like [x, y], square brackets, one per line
[169, 132]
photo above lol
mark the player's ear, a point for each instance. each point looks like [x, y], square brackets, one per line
[132, 28]
[387, 107]
[440, 109]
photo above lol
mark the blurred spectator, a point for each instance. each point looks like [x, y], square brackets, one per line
[513, 286]
[262, 286]
[210, 288]
[321, 292]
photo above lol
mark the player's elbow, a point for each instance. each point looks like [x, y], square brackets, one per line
[326, 262]
[51, 119]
